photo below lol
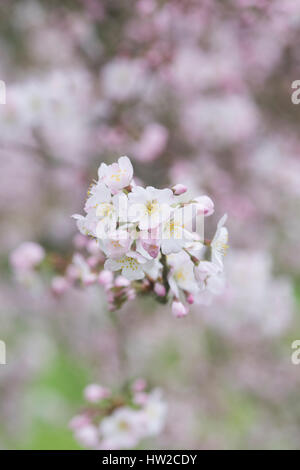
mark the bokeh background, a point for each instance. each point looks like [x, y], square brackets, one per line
[196, 93]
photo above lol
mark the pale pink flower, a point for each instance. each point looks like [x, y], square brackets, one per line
[178, 309]
[159, 289]
[117, 245]
[94, 393]
[149, 241]
[87, 436]
[121, 281]
[205, 205]
[154, 413]
[123, 428]
[123, 79]
[83, 270]
[118, 175]
[27, 256]
[149, 207]
[152, 143]
[132, 265]
[105, 278]
[59, 285]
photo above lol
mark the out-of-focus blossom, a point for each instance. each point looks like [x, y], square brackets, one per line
[123, 79]
[120, 425]
[26, 256]
[94, 393]
[59, 285]
[179, 309]
[152, 143]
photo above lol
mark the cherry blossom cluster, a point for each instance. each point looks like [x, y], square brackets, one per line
[153, 239]
[119, 420]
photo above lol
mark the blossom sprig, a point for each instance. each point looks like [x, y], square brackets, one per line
[152, 238]
[119, 419]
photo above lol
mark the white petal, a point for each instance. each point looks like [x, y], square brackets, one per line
[133, 275]
[112, 265]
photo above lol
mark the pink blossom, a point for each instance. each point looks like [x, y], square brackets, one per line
[152, 143]
[190, 299]
[179, 189]
[59, 285]
[94, 393]
[205, 205]
[159, 289]
[178, 309]
[105, 278]
[118, 175]
[121, 281]
[27, 256]
[87, 436]
[131, 294]
[139, 385]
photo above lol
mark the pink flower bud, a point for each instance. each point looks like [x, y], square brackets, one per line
[94, 393]
[159, 289]
[121, 281]
[89, 279]
[59, 285]
[139, 385]
[190, 299]
[205, 205]
[105, 278]
[131, 294]
[179, 189]
[178, 309]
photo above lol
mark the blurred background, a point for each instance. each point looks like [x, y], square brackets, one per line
[193, 92]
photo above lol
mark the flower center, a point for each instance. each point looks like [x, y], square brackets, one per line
[123, 425]
[118, 175]
[104, 209]
[222, 247]
[130, 263]
[152, 207]
[180, 275]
